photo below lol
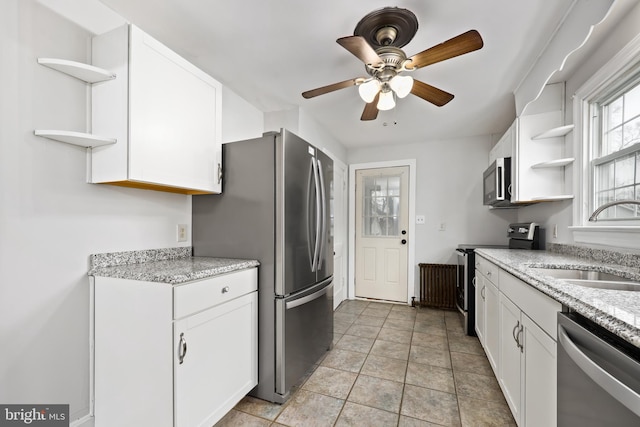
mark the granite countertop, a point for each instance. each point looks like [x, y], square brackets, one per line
[616, 311]
[172, 266]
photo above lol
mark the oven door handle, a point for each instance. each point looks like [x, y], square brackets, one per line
[623, 394]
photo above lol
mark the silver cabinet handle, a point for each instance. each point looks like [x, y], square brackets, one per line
[620, 391]
[513, 333]
[488, 273]
[520, 333]
[219, 173]
[482, 292]
[225, 289]
[182, 349]
[473, 281]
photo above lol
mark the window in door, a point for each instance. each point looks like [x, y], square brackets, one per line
[381, 206]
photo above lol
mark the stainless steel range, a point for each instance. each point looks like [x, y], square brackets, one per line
[521, 236]
[465, 293]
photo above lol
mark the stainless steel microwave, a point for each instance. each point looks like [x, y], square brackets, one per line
[497, 183]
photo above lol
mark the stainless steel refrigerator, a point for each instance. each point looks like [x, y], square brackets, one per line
[275, 207]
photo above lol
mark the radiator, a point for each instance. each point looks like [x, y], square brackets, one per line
[438, 286]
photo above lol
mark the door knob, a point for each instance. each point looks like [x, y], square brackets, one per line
[403, 241]
[404, 231]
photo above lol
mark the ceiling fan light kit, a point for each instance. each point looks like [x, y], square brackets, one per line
[386, 101]
[377, 40]
[369, 90]
[401, 85]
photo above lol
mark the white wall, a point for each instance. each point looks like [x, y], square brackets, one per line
[240, 120]
[306, 127]
[448, 190]
[561, 213]
[51, 219]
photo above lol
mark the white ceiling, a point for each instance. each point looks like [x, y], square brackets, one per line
[269, 51]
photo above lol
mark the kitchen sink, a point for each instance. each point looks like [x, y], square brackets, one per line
[591, 278]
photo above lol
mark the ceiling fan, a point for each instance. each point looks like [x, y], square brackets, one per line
[377, 40]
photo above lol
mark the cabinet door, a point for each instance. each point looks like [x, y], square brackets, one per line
[510, 356]
[174, 108]
[480, 306]
[540, 374]
[492, 324]
[215, 360]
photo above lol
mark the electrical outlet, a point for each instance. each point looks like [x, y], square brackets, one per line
[181, 234]
[420, 219]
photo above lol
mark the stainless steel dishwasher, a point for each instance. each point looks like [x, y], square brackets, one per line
[598, 376]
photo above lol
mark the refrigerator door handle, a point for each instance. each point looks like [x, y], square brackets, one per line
[310, 242]
[316, 249]
[308, 298]
[323, 214]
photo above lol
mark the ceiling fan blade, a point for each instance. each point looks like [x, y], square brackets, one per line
[359, 47]
[330, 88]
[459, 45]
[371, 109]
[431, 94]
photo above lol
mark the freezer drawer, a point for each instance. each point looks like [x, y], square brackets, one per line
[304, 332]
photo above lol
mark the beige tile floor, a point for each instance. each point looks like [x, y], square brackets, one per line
[391, 365]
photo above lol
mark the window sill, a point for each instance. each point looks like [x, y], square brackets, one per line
[609, 235]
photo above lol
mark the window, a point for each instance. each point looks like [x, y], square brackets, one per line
[381, 205]
[607, 136]
[616, 151]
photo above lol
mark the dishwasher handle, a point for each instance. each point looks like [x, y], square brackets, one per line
[623, 394]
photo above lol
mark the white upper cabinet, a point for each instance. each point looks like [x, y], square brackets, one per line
[164, 112]
[536, 144]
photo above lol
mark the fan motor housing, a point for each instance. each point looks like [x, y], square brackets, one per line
[387, 27]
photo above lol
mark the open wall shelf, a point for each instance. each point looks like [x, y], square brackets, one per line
[554, 133]
[75, 138]
[85, 72]
[558, 163]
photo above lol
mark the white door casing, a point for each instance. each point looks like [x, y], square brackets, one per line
[390, 268]
[339, 214]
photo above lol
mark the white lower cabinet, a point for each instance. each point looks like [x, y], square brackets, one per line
[173, 355]
[510, 357]
[519, 338]
[540, 376]
[492, 324]
[480, 307]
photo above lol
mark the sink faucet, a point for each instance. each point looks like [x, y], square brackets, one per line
[597, 212]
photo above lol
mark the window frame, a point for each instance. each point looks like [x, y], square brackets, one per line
[601, 86]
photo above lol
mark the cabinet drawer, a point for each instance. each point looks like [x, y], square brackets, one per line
[539, 307]
[487, 269]
[196, 296]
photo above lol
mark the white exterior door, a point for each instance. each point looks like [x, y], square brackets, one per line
[381, 221]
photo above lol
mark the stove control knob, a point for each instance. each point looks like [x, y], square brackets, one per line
[523, 230]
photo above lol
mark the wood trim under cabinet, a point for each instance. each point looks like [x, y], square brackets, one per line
[156, 187]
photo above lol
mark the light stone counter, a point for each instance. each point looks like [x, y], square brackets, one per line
[171, 265]
[616, 311]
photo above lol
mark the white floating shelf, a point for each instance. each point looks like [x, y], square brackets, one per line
[555, 132]
[552, 198]
[85, 72]
[554, 163]
[75, 138]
